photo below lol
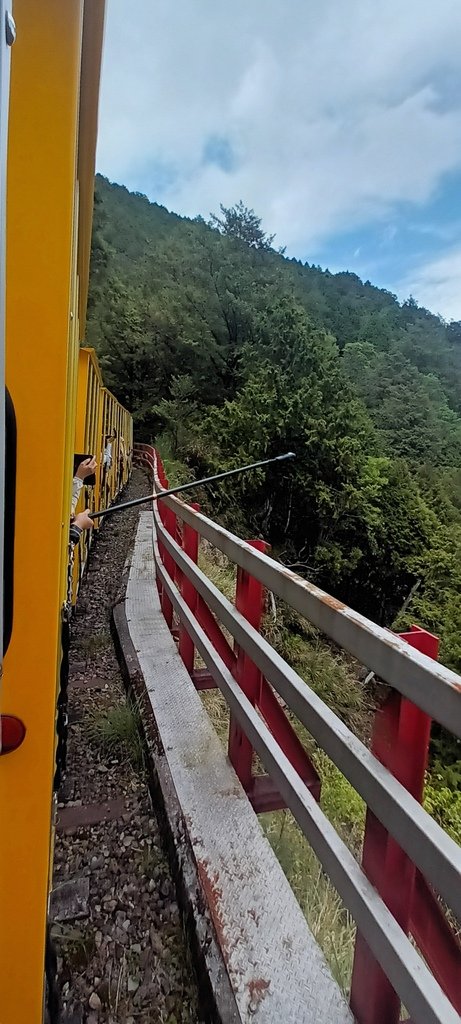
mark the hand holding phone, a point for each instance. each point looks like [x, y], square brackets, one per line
[85, 469]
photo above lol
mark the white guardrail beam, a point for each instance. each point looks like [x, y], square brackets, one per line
[414, 983]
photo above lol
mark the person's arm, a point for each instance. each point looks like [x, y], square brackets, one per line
[75, 533]
[84, 470]
[77, 485]
[78, 524]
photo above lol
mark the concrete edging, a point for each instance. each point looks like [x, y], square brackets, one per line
[255, 957]
[217, 1001]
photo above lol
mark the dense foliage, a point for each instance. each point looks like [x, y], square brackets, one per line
[213, 338]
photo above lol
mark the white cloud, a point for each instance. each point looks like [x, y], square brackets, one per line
[334, 111]
[437, 285]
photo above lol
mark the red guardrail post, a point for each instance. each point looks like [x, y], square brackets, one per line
[190, 542]
[436, 939]
[169, 521]
[158, 470]
[401, 742]
[248, 601]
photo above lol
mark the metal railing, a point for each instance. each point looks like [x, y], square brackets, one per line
[406, 853]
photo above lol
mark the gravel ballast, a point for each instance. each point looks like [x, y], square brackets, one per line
[122, 954]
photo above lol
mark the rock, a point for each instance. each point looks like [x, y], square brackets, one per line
[75, 1016]
[94, 1001]
[136, 948]
[155, 941]
[103, 991]
[69, 900]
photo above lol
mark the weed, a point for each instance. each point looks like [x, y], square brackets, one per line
[150, 859]
[91, 645]
[330, 923]
[218, 569]
[77, 946]
[175, 471]
[444, 804]
[340, 802]
[117, 731]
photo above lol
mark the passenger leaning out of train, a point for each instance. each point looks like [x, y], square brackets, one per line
[84, 470]
[121, 463]
[82, 520]
[106, 464]
[107, 460]
[78, 524]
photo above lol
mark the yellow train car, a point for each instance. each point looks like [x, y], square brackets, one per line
[56, 406]
[99, 412]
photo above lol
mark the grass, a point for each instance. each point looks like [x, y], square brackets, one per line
[331, 925]
[176, 472]
[117, 732]
[76, 945]
[327, 671]
[91, 645]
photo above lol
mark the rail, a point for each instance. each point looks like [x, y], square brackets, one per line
[406, 854]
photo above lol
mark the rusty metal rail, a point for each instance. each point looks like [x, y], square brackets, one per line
[438, 856]
[434, 688]
[185, 589]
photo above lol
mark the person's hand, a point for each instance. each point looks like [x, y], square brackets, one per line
[86, 468]
[82, 519]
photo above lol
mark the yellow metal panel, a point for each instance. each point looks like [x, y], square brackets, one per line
[86, 441]
[41, 339]
[93, 30]
[83, 386]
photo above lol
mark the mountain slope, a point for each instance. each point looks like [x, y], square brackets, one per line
[231, 351]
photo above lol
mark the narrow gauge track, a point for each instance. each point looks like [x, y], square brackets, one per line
[117, 930]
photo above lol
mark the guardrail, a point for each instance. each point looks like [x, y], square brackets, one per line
[406, 854]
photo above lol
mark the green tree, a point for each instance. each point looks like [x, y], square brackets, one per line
[209, 335]
[243, 224]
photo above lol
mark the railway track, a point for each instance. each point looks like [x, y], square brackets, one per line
[116, 924]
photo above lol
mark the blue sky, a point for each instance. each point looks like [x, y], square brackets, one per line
[339, 123]
[391, 251]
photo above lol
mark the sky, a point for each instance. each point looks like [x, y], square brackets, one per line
[337, 121]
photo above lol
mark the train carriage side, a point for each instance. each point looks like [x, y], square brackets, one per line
[98, 413]
[51, 148]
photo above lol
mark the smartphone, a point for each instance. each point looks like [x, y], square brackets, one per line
[90, 481]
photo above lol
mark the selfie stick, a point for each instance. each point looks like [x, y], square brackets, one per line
[187, 487]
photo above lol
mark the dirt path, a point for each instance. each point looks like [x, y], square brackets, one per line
[122, 957]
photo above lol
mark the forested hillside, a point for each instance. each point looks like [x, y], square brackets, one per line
[216, 340]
